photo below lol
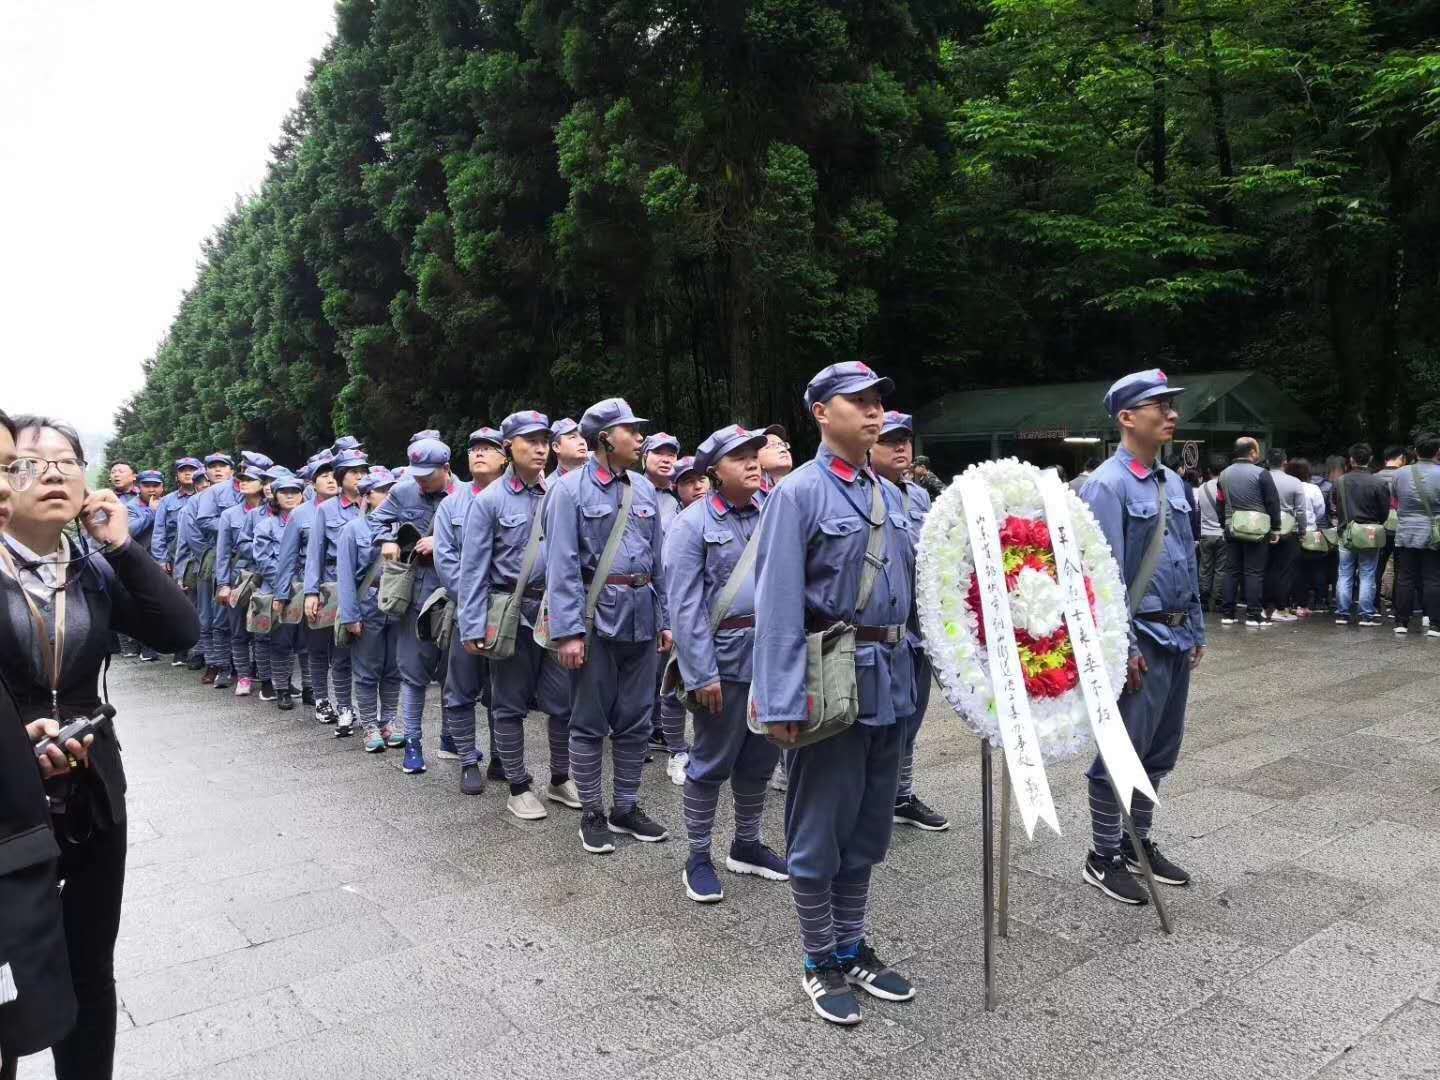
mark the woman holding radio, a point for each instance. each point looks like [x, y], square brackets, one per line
[61, 596]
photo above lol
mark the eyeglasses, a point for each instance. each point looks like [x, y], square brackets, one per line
[777, 444]
[1167, 408]
[23, 472]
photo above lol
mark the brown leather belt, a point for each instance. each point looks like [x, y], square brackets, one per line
[533, 592]
[629, 581]
[882, 635]
[739, 622]
[1172, 619]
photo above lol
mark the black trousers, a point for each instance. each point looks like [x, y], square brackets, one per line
[1245, 562]
[94, 877]
[1417, 569]
[1280, 571]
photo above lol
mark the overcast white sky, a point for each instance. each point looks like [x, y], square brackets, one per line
[126, 131]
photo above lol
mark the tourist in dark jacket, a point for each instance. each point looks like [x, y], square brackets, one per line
[93, 583]
[1362, 497]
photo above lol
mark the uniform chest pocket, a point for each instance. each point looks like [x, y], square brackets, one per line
[513, 521]
[900, 521]
[642, 520]
[718, 537]
[1179, 522]
[839, 527]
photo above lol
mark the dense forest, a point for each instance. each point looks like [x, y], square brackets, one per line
[478, 205]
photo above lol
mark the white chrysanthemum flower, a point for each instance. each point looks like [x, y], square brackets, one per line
[1035, 603]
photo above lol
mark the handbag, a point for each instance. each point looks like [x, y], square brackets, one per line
[602, 571]
[248, 582]
[502, 622]
[260, 612]
[294, 611]
[1419, 478]
[329, 605]
[397, 585]
[832, 692]
[672, 681]
[207, 566]
[190, 576]
[1251, 526]
[1315, 541]
[1356, 535]
[1287, 523]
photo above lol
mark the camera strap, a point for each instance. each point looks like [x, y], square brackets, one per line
[52, 653]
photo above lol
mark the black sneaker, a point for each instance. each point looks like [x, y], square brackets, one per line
[635, 822]
[325, 712]
[195, 663]
[286, 701]
[1161, 868]
[830, 993]
[267, 690]
[595, 833]
[495, 770]
[912, 811]
[875, 977]
[472, 780]
[1113, 879]
[307, 696]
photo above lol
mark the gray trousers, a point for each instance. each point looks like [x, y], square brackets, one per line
[614, 695]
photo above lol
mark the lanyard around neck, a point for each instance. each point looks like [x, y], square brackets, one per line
[52, 654]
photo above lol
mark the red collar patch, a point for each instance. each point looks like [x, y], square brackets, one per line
[516, 484]
[603, 475]
[719, 505]
[844, 470]
[1137, 467]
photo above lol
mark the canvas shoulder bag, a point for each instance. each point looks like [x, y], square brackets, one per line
[672, 681]
[260, 612]
[602, 571]
[207, 565]
[294, 612]
[397, 584]
[832, 693]
[1419, 477]
[329, 605]
[1356, 535]
[245, 587]
[502, 622]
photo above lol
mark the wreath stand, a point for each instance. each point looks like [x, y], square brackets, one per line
[997, 912]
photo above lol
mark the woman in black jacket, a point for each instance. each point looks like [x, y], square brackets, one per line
[60, 599]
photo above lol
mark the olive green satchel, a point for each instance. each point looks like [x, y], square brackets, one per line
[502, 620]
[832, 692]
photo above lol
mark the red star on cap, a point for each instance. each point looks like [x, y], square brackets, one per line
[1161, 375]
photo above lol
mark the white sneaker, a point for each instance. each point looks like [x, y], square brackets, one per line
[1284, 616]
[565, 794]
[526, 806]
[780, 780]
[1402, 630]
[675, 768]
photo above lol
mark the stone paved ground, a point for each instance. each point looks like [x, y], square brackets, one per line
[297, 908]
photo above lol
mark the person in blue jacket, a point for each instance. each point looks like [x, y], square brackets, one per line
[201, 532]
[839, 805]
[186, 566]
[499, 523]
[467, 677]
[313, 647]
[614, 654]
[331, 515]
[374, 636]
[287, 493]
[567, 446]
[705, 546]
[667, 732]
[893, 457]
[1167, 629]
[413, 502]
[234, 554]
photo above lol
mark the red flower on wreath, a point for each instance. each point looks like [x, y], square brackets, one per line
[1048, 662]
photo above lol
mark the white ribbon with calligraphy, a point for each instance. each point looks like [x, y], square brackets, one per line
[1012, 703]
[1116, 749]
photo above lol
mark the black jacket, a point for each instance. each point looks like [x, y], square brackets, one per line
[124, 591]
[1363, 498]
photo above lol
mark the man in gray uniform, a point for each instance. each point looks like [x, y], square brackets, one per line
[1167, 630]
[614, 642]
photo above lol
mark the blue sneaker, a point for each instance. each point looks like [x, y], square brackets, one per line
[830, 993]
[447, 747]
[871, 974]
[756, 859]
[414, 760]
[702, 883]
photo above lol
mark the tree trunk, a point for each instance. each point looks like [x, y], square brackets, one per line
[1159, 148]
[1224, 158]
